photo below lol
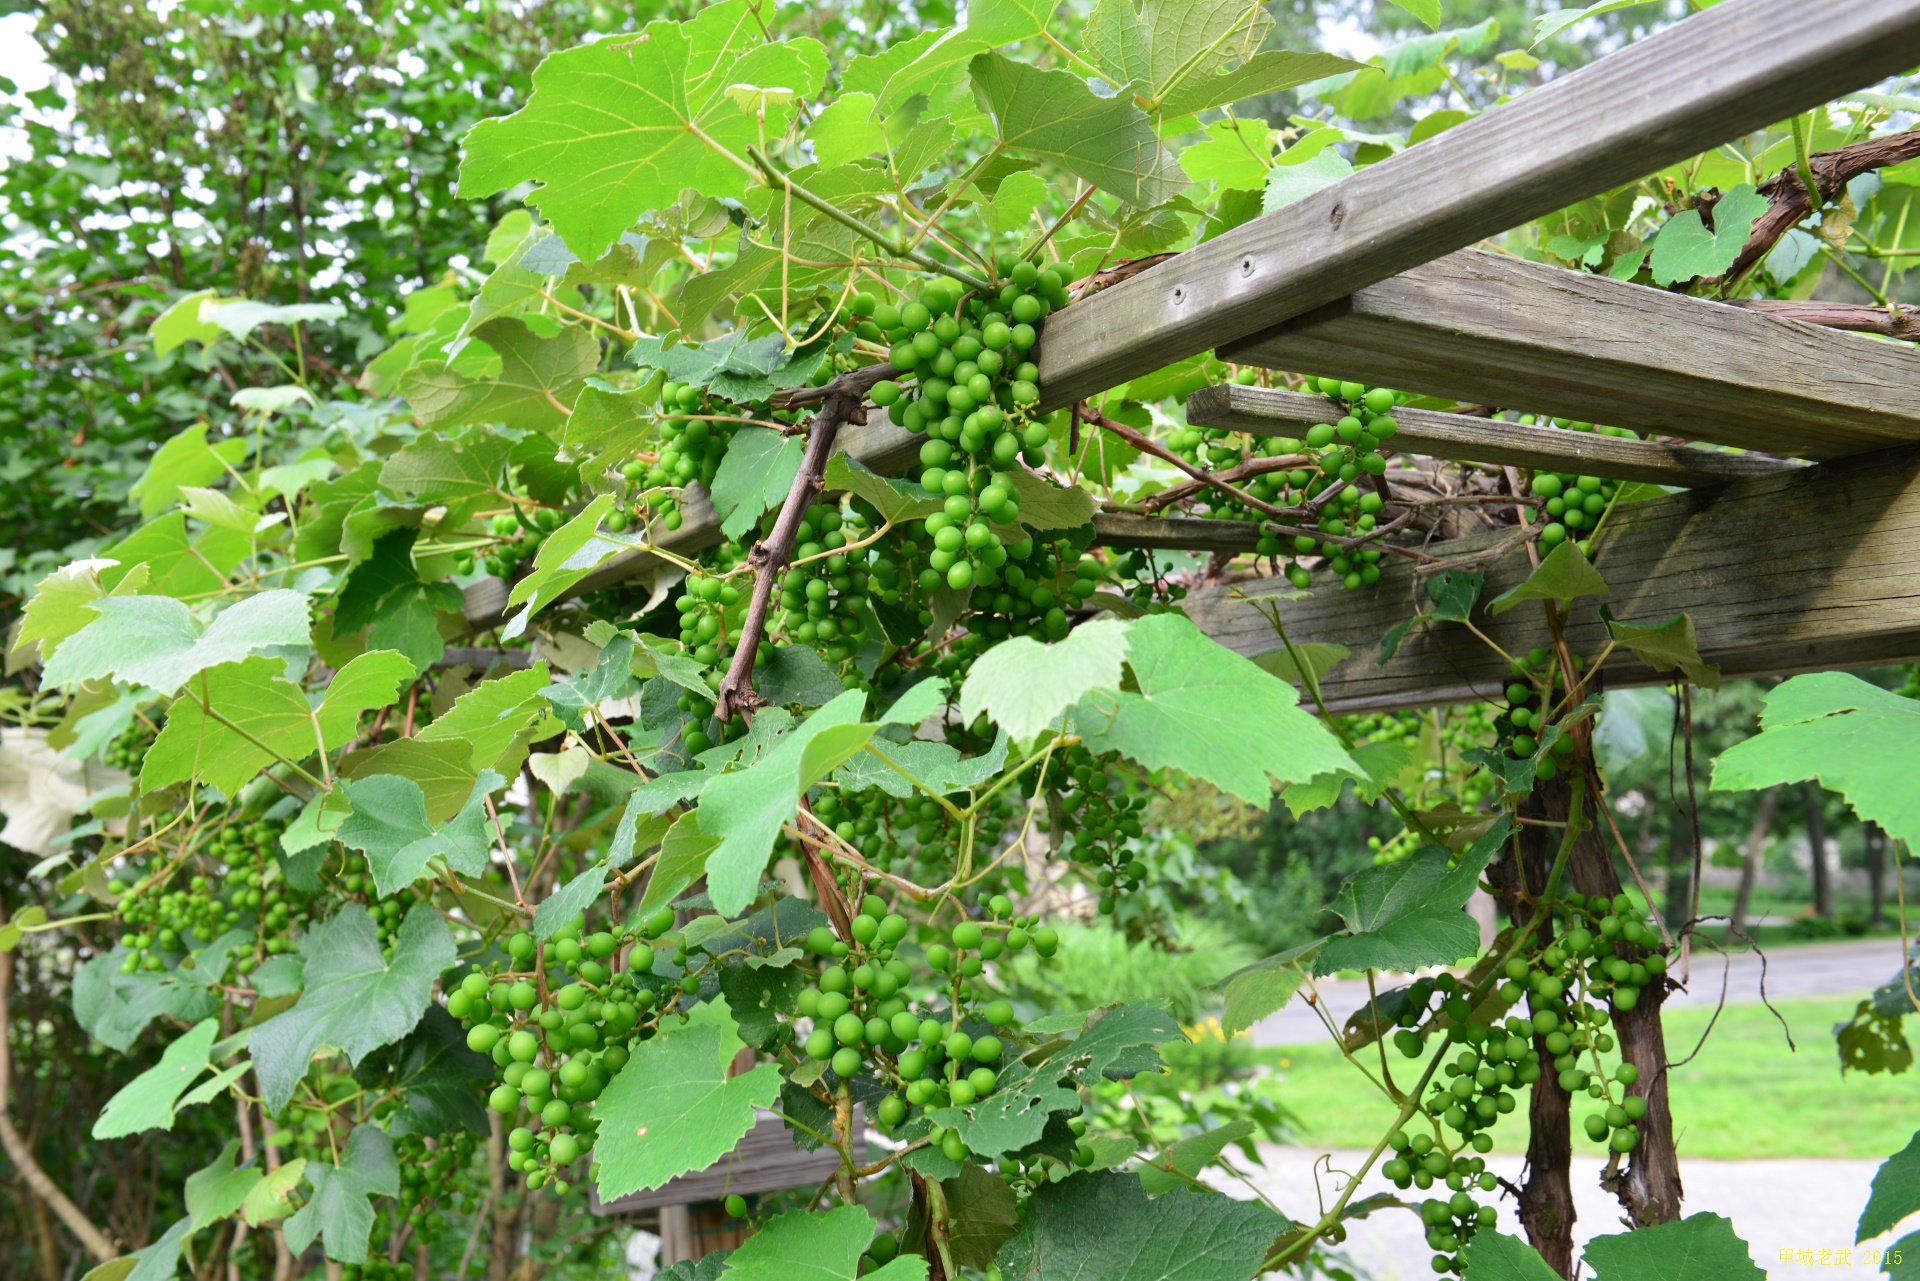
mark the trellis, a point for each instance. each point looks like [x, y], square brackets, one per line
[1782, 565]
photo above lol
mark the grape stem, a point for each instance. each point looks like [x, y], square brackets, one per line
[843, 400]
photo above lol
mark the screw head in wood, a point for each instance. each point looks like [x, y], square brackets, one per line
[1179, 295]
[1246, 266]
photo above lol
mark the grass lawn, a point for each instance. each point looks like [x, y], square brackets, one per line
[1746, 1096]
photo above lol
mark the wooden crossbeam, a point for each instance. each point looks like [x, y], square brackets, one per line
[1485, 327]
[1797, 571]
[1734, 68]
[1265, 411]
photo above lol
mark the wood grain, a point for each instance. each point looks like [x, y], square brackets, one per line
[1734, 68]
[1801, 571]
[1266, 411]
[1483, 327]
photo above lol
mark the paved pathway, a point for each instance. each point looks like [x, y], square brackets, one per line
[1774, 1205]
[1807, 969]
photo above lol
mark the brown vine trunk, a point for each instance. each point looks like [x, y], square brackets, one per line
[1876, 873]
[1650, 1190]
[1817, 851]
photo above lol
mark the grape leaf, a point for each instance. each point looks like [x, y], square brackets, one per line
[157, 1262]
[272, 1197]
[982, 1215]
[340, 1211]
[746, 808]
[1406, 914]
[1263, 73]
[1108, 142]
[147, 1102]
[389, 826]
[180, 323]
[1186, 1158]
[618, 127]
[1015, 1114]
[1700, 1247]
[894, 500]
[1554, 21]
[184, 460]
[437, 1077]
[1895, 1195]
[1685, 248]
[796, 676]
[60, 604]
[1121, 1042]
[354, 1000]
[1856, 739]
[566, 556]
[115, 1007]
[1665, 647]
[683, 858]
[756, 474]
[440, 768]
[1233, 153]
[673, 1108]
[1105, 1225]
[846, 130]
[220, 1188]
[1208, 712]
[157, 642]
[259, 717]
[497, 719]
[174, 563]
[1025, 686]
[1564, 575]
[431, 469]
[241, 316]
[1495, 1256]
[803, 1246]
[1253, 992]
[539, 379]
[1045, 505]
[1286, 183]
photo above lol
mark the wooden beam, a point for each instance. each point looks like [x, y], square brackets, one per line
[1737, 67]
[1793, 572]
[1485, 327]
[1264, 411]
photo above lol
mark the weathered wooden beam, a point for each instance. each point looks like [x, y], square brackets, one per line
[1737, 67]
[1798, 571]
[1265, 411]
[1485, 327]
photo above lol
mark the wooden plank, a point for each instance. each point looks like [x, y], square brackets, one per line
[1737, 67]
[765, 1160]
[1798, 571]
[1266, 411]
[1484, 327]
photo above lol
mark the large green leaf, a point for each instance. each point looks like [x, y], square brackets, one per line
[566, 556]
[1105, 1225]
[433, 469]
[220, 1188]
[440, 768]
[147, 1102]
[804, 1246]
[61, 605]
[259, 716]
[1665, 647]
[673, 1108]
[983, 1214]
[1015, 1114]
[1856, 739]
[755, 475]
[1895, 1195]
[1122, 1042]
[340, 1211]
[184, 460]
[1686, 247]
[746, 808]
[1408, 913]
[1185, 1158]
[621, 126]
[157, 642]
[355, 1000]
[1025, 686]
[535, 388]
[441, 1083]
[389, 826]
[1108, 142]
[115, 1006]
[1701, 1247]
[1206, 711]
[496, 719]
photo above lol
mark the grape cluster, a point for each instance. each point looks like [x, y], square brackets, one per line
[431, 1182]
[910, 836]
[520, 532]
[1530, 698]
[128, 749]
[822, 600]
[1105, 822]
[558, 1045]
[170, 922]
[1574, 506]
[862, 1020]
[711, 610]
[694, 432]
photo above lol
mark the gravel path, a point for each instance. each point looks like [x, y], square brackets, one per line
[1775, 1205]
[1808, 969]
